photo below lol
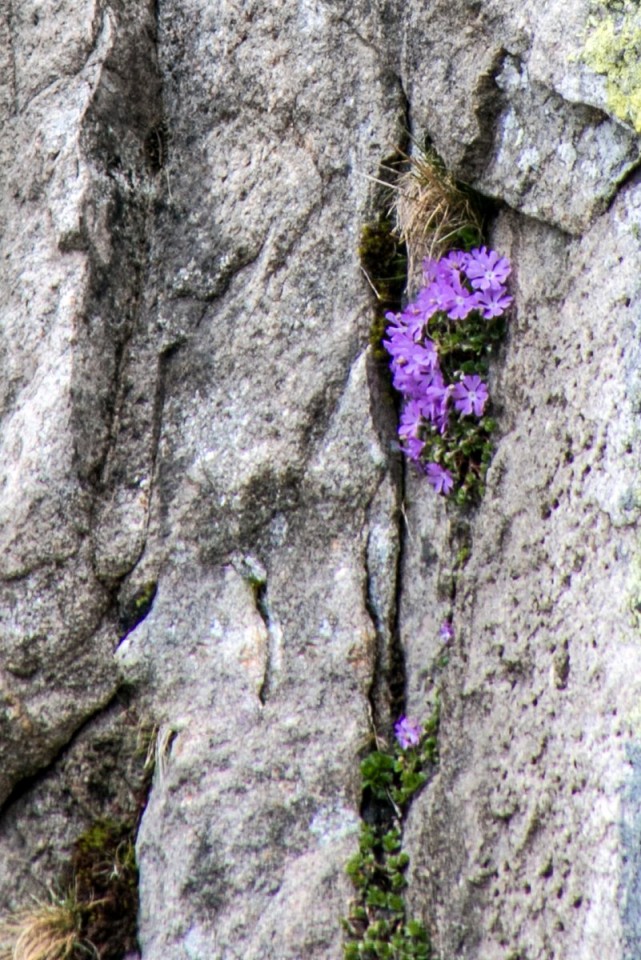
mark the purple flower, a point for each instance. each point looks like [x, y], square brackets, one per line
[407, 733]
[431, 270]
[446, 633]
[461, 301]
[438, 296]
[470, 395]
[398, 342]
[440, 478]
[413, 366]
[493, 302]
[486, 269]
[426, 302]
[412, 448]
[421, 359]
[410, 420]
[458, 259]
[434, 399]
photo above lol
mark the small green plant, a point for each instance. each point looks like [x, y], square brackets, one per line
[96, 916]
[377, 927]
[137, 608]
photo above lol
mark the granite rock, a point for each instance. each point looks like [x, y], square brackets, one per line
[205, 523]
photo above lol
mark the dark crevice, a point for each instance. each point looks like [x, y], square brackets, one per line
[397, 670]
[387, 689]
[262, 605]
[156, 146]
[631, 178]
[385, 263]
[30, 782]
[136, 609]
[164, 363]
[489, 105]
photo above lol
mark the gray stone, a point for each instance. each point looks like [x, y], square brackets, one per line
[201, 497]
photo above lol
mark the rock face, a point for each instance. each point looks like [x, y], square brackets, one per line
[205, 521]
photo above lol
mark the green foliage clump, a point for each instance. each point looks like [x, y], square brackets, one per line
[377, 927]
[464, 347]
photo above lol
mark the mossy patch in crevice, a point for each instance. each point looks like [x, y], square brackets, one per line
[104, 874]
[384, 261]
[91, 874]
[96, 915]
[377, 926]
[136, 608]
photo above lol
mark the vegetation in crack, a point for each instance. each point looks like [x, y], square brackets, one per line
[134, 610]
[91, 909]
[441, 343]
[377, 926]
[383, 256]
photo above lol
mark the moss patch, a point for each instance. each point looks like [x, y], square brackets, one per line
[384, 262]
[105, 874]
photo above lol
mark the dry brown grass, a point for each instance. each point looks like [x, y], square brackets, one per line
[49, 930]
[431, 211]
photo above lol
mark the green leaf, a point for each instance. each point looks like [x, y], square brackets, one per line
[398, 882]
[396, 904]
[351, 951]
[392, 840]
[412, 782]
[376, 898]
[414, 928]
[398, 862]
[377, 772]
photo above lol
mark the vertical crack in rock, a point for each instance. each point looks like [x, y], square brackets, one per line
[81, 524]
[387, 690]
[488, 105]
[118, 367]
[12, 55]
[273, 657]
[385, 539]
[254, 573]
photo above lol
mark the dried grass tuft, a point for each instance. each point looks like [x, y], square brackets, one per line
[432, 211]
[45, 931]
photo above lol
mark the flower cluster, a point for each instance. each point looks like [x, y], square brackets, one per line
[407, 732]
[438, 346]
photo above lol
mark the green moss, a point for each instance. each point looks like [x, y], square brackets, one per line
[613, 48]
[137, 608]
[384, 262]
[105, 878]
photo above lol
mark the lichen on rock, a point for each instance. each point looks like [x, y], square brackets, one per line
[613, 48]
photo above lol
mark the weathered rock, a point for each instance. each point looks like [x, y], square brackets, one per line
[200, 491]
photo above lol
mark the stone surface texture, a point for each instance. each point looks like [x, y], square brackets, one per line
[205, 526]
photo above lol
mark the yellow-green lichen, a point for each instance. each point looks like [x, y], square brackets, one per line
[613, 48]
